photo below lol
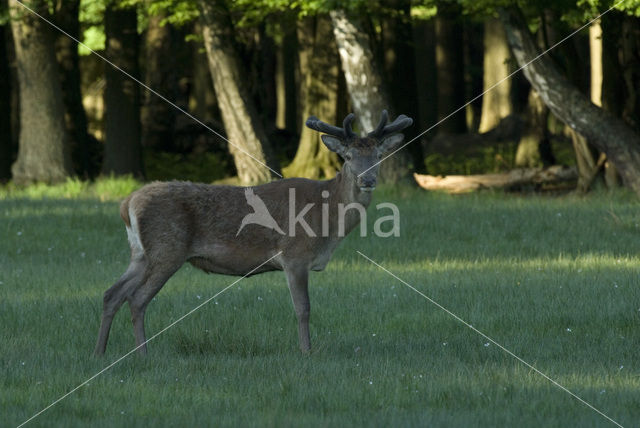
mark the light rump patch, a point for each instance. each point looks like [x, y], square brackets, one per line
[133, 235]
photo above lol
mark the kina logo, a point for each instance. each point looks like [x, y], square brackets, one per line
[260, 214]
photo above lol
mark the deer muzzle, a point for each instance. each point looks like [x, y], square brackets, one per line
[367, 184]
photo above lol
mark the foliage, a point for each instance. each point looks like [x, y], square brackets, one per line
[488, 159]
[499, 157]
[104, 188]
[552, 279]
[197, 167]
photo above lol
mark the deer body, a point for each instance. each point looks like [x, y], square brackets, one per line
[170, 223]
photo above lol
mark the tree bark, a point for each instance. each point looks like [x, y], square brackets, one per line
[6, 139]
[473, 56]
[249, 146]
[496, 102]
[606, 132]
[204, 96]
[630, 63]
[450, 69]
[286, 87]
[43, 153]
[122, 151]
[157, 116]
[366, 88]
[597, 76]
[516, 178]
[319, 65]
[612, 91]
[534, 147]
[400, 69]
[67, 17]
[425, 54]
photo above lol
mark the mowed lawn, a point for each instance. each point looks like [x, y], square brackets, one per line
[553, 279]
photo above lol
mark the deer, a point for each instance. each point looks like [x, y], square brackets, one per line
[170, 223]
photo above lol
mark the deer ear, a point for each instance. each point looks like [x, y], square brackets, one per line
[391, 143]
[334, 144]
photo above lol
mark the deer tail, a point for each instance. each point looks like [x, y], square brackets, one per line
[124, 211]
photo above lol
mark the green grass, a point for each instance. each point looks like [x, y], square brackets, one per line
[555, 280]
[103, 189]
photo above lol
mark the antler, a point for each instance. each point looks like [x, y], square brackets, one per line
[344, 133]
[397, 125]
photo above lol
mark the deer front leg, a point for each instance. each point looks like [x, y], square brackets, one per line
[298, 287]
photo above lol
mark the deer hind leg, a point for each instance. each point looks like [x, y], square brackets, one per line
[138, 301]
[297, 280]
[114, 297]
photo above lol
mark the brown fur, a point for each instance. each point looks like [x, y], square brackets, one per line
[170, 223]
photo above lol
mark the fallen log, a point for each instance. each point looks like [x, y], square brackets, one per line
[509, 180]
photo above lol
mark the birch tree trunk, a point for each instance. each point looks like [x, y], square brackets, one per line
[607, 133]
[43, 153]
[366, 88]
[319, 65]
[250, 149]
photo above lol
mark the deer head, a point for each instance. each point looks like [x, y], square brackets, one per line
[362, 155]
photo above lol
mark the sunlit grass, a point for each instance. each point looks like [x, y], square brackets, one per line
[103, 188]
[553, 279]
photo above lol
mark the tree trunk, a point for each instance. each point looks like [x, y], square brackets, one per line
[606, 132]
[613, 91]
[534, 147]
[43, 153]
[400, 69]
[319, 65]
[157, 116]
[366, 88]
[597, 75]
[264, 72]
[473, 55]
[425, 54]
[514, 179]
[6, 139]
[122, 151]
[67, 15]
[287, 55]
[249, 146]
[450, 69]
[496, 102]
[204, 97]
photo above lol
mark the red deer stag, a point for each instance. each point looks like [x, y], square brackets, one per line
[231, 230]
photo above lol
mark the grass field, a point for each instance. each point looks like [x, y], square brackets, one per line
[553, 279]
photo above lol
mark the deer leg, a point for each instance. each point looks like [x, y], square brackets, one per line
[298, 287]
[140, 299]
[113, 299]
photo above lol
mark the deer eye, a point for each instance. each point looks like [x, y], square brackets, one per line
[348, 156]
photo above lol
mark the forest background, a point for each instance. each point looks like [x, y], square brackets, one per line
[253, 71]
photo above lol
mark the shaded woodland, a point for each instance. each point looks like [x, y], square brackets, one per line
[185, 76]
